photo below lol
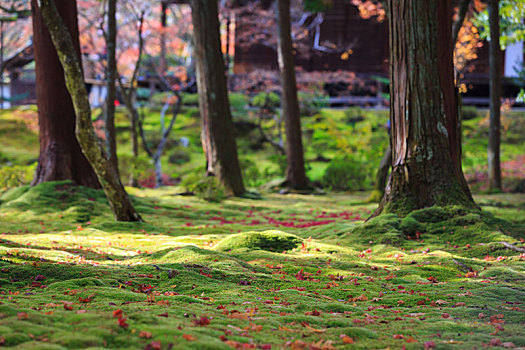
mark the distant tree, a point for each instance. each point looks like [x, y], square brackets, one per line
[494, 165]
[119, 201]
[111, 76]
[129, 96]
[218, 139]
[295, 172]
[175, 101]
[426, 163]
[60, 156]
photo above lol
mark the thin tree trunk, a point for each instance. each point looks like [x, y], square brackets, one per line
[119, 201]
[111, 75]
[60, 155]
[163, 22]
[295, 172]
[426, 163]
[218, 139]
[495, 98]
[133, 181]
[158, 172]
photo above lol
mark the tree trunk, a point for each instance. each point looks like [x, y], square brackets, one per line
[295, 172]
[111, 76]
[218, 139]
[158, 172]
[60, 155]
[119, 201]
[426, 162]
[163, 65]
[495, 98]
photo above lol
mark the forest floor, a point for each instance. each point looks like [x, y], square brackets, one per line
[314, 276]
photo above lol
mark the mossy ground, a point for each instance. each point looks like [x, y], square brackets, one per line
[66, 268]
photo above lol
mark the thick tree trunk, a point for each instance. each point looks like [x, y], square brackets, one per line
[426, 163]
[119, 201]
[295, 172]
[495, 98]
[111, 76]
[60, 155]
[218, 139]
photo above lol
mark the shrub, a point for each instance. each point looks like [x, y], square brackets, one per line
[250, 172]
[140, 166]
[281, 162]
[179, 156]
[16, 175]
[469, 112]
[205, 187]
[266, 100]
[345, 174]
[311, 103]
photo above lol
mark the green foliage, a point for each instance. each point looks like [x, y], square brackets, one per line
[129, 166]
[511, 14]
[238, 103]
[250, 172]
[345, 174]
[281, 162]
[317, 5]
[16, 175]
[311, 103]
[266, 100]
[205, 187]
[179, 155]
[469, 113]
[190, 99]
[275, 241]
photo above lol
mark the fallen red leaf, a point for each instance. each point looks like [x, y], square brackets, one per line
[122, 322]
[189, 337]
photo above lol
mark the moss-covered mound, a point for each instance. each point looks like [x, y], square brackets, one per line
[457, 224]
[273, 240]
[77, 203]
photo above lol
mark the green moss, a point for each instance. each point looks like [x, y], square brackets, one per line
[276, 241]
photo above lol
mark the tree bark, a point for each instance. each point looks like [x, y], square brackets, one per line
[494, 165]
[119, 201]
[426, 153]
[295, 171]
[218, 139]
[163, 65]
[111, 76]
[60, 155]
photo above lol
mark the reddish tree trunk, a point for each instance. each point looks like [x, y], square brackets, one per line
[295, 172]
[118, 199]
[426, 151]
[111, 76]
[495, 97]
[60, 155]
[218, 139]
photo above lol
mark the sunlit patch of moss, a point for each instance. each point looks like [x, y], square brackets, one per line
[273, 240]
[345, 270]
